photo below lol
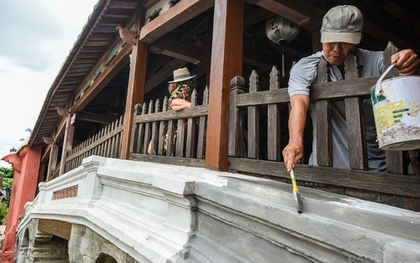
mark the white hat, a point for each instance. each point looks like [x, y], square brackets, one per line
[181, 74]
[343, 23]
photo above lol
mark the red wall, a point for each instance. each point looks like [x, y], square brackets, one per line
[26, 166]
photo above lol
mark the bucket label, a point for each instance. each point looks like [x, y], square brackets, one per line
[388, 115]
[391, 114]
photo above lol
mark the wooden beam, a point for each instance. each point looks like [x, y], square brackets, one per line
[94, 117]
[396, 184]
[255, 15]
[164, 73]
[58, 228]
[303, 13]
[174, 17]
[309, 16]
[136, 86]
[149, 3]
[175, 49]
[107, 75]
[379, 26]
[59, 133]
[325, 91]
[226, 62]
[46, 154]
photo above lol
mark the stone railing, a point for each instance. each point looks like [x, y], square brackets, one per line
[148, 212]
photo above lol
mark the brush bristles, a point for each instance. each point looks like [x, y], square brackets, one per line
[298, 202]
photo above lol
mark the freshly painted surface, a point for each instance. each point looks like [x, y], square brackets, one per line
[165, 213]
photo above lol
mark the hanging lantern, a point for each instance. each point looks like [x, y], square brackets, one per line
[281, 31]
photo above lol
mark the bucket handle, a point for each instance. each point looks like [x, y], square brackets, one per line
[378, 87]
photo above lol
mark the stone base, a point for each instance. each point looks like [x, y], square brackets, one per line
[143, 212]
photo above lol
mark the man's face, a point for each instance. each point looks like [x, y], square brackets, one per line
[337, 52]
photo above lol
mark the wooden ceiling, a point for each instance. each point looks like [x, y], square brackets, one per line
[176, 43]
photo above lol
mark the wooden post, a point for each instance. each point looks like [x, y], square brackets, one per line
[323, 122]
[67, 144]
[53, 161]
[226, 62]
[394, 160]
[236, 129]
[253, 150]
[136, 87]
[273, 121]
[356, 134]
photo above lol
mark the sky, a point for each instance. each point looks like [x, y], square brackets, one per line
[36, 37]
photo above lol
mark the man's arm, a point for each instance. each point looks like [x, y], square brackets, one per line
[293, 152]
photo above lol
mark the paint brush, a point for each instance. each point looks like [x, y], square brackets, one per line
[296, 194]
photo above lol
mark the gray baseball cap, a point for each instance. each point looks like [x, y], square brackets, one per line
[343, 23]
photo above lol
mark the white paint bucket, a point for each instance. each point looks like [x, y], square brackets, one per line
[396, 105]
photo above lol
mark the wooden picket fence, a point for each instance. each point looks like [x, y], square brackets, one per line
[267, 109]
[106, 143]
[152, 123]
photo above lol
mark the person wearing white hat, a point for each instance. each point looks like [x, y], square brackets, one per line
[341, 32]
[180, 89]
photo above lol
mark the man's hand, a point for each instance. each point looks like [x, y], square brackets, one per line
[291, 155]
[406, 61]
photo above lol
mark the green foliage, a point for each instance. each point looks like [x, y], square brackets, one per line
[7, 183]
[4, 210]
[7, 176]
[6, 172]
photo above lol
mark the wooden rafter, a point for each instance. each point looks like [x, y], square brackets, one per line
[174, 17]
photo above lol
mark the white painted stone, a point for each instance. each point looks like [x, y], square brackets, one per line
[167, 213]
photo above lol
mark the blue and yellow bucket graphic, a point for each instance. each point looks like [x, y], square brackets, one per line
[396, 106]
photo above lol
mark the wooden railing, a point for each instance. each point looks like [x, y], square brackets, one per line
[152, 123]
[258, 132]
[267, 110]
[106, 143]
